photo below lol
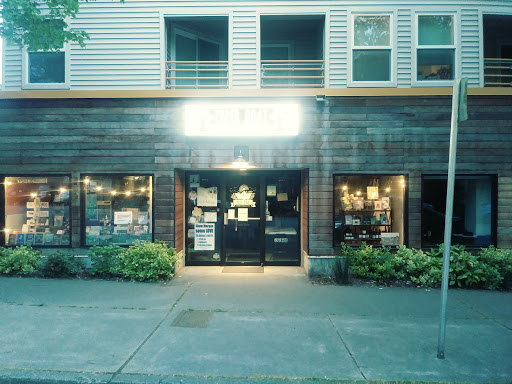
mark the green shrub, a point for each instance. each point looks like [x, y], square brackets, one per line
[491, 268]
[472, 271]
[104, 259]
[61, 264]
[147, 261]
[502, 260]
[342, 263]
[375, 263]
[19, 260]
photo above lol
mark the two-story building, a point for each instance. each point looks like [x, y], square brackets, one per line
[260, 132]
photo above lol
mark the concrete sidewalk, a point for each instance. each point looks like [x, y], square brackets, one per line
[206, 326]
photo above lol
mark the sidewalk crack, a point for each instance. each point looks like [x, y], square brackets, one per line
[485, 316]
[346, 347]
[150, 334]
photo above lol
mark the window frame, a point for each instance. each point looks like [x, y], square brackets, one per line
[392, 82]
[455, 47]
[26, 67]
[404, 175]
[83, 223]
[458, 176]
[3, 210]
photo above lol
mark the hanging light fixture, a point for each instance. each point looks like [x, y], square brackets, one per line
[241, 161]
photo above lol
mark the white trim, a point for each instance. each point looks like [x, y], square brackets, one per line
[481, 61]
[327, 39]
[457, 65]
[163, 50]
[2, 85]
[230, 51]
[392, 47]
[258, 49]
[25, 68]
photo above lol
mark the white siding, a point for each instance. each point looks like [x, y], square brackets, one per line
[12, 69]
[123, 51]
[244, 52]
[338, 46]
[470, 47]
[404, 53]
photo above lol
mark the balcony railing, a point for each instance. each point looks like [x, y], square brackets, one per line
[292, 73]
[498, 72]
[196, 74]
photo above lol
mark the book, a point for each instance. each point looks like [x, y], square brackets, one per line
[48, 239]
[39, 239]
[56, 240]
[12, 239]
[20, 239]
[383, 219]
[30, 239]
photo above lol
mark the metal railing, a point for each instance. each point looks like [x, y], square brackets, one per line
[292, 73]
[196, 74]
[498, 72]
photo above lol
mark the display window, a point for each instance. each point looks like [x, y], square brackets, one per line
[474, 210]
[369, 209]
[37, 211]
[117, 209]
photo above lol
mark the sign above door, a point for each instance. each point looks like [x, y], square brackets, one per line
[241, 120]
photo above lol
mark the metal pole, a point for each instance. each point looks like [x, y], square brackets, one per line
[448, 217]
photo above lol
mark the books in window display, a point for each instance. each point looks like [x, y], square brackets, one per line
[30, 238]
[20, 239]
[39, 239]
[65, 239]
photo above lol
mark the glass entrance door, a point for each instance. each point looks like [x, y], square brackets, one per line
[243, 220]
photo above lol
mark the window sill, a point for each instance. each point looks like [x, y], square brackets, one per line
[372, 84]
[433, 83]
[44, 86]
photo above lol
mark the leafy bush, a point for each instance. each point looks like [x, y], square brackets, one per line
[104, 259]
[470, 271]
[490, 268]
[19, 260]
[147, 261]
[375, 263]
[502, 260]
[342, 264]
[62, 264]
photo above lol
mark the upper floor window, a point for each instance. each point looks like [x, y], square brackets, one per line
[291, 51]
[371, 48]
[435, 55]
[46, 69]
[197, 52]
[497, 50]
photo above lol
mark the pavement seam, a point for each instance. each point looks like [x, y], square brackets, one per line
[485, 316]
[150, 334]
[347, 348]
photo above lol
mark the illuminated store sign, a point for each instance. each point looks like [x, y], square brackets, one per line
[237, 120]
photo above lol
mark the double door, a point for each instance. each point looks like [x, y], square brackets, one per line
[236, 218]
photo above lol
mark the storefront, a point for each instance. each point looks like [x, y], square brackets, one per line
[285, 180]
[243, 217]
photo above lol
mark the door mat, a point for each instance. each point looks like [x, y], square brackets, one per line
[243, 269]
[192, 319]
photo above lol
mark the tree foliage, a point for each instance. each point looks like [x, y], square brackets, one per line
[40, 24]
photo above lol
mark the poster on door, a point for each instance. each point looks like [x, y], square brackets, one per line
[204, 239]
